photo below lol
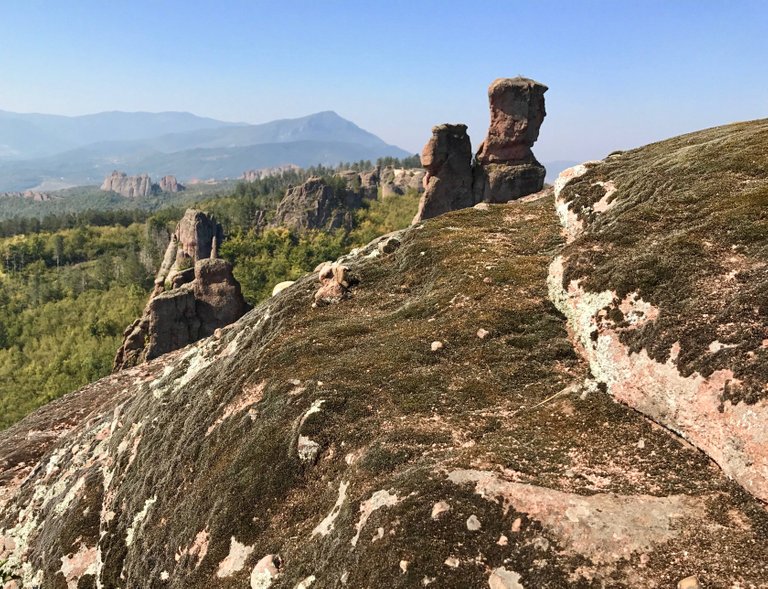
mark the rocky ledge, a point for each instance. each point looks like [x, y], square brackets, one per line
[443, 423]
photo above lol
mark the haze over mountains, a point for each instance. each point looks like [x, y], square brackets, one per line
[67, 151]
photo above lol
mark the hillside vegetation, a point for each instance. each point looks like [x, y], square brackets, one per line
[70, 284]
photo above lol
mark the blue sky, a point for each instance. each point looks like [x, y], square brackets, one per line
[620, 73]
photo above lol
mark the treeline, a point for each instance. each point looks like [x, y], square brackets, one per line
[55, 222]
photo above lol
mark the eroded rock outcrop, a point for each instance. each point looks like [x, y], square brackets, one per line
[315, 204]
[169, 184]
[128, 186]
[139, 186]
[505, 167]
[448, 180]
[398, 181]
[195, 293]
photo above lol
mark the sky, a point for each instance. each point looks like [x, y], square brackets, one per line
[620, 73]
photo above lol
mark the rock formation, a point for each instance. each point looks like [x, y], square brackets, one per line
[169, 184]
[398, 181]
[138, 186]
[253, 175]
[128, 186]
[317, 205]
[447, 426]
[448, 180]
[505, 167]
[195, 293]
[335, 283]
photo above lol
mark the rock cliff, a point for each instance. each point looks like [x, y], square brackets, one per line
[444, 424]
[316, 204]
[261, 173]
[195, 293]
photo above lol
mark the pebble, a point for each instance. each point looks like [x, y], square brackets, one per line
[481, 333]
[689, 583]
[439, 509]
[473, 524]
[452, 562]
[436, 345]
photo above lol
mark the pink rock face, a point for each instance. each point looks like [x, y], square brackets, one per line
[517, 111]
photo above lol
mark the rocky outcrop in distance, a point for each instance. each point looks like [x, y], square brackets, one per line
[195, 294]
[504, 168]
[399, 181]
[139, 186]
[34, 195]
[317, 205]
[260, 174]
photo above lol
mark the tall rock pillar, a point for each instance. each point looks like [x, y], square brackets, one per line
[447, 158]
[505, 168]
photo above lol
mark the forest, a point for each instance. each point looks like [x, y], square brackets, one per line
[71, 283]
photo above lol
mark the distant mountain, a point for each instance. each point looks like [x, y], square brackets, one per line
[24, 136]
[81, 150]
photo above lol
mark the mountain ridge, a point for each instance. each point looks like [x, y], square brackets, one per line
[316, 139]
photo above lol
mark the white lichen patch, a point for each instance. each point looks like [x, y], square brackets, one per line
[235, 560]
[138, 520]
[378, 500]
[265, 571]
[605, 203]
[571, 223]
[307, 449]
[325, 527]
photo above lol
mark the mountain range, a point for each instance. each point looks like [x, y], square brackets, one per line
[60, 151]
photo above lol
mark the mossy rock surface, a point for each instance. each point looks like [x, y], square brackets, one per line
[330, 436]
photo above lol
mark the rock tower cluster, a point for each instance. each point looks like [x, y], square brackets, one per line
[504, 168]
[138, 186]
[195, 293]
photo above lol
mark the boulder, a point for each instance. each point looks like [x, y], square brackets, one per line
[448, 180]
[505, 168]
[336, 282]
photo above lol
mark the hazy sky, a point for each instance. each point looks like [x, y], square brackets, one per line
[620, 73]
